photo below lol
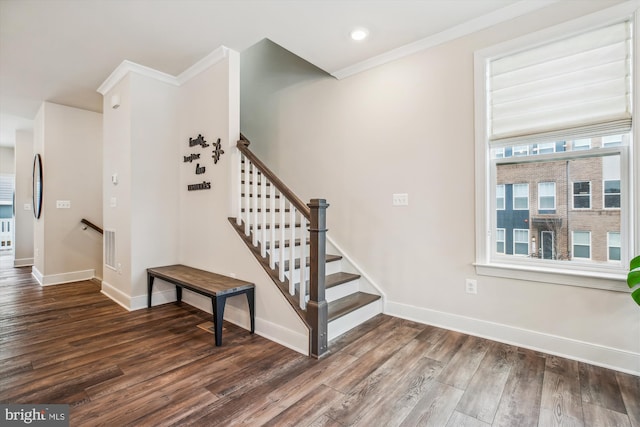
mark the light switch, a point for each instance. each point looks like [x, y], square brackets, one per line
[113, 202]
[63, 204]
[400, 199]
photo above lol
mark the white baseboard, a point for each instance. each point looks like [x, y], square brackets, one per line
[595, 354]
[59, 279]
[23, 262]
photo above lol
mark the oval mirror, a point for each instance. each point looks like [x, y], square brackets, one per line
[37, 186]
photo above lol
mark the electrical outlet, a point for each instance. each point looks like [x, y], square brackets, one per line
[471, 286]
[400, 199]
[63, 204]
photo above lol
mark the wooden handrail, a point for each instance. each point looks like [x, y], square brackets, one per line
[92, 225]
[243, 146]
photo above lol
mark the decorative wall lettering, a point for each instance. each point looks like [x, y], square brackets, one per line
[198, 141]
[200, 170]
[191, 157]
[204, 185]
[217, 151]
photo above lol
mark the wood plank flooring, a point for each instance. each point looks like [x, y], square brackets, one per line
[70, 344]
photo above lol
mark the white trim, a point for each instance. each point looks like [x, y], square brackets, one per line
[595, 354]
[349, 321]
[36, 275]
[58, 279]
[116, 295]
[23, 262]
[480, 23]
[127, 67]
[211, 59]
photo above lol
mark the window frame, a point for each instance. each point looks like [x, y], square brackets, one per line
[540, 196]
[605, 194]
[609, 246]
[574, 195]
[504, 240]
[528, 242]
[504, 197]
[572, 273]
[513, 196]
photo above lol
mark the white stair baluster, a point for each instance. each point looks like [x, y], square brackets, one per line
[254, 197]
[303, 262]
[272, 242]
[247, 190]
[263, 207]
[292, 249]
[239, 194]
[282, 241]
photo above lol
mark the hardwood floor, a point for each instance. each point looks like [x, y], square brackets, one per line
[70, 344]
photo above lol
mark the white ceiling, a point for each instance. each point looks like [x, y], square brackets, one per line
[62, 50]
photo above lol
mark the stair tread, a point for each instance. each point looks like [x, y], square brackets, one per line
[346, 305]
[336, 279]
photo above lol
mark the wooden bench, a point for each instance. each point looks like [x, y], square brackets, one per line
[215, 286]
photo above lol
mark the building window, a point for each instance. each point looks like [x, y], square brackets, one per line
[538, 126]
[500, 197]
[500, 240]
[546, 196]
[611, 194]
[520, 196]
[582, 244]
[613, 244]
[546, 148]
[521, 150]
[582, 195]
[581, 144]
[520, 242]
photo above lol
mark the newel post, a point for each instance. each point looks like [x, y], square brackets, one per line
[317, 312]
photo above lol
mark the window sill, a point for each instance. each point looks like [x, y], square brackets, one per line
[612, 281]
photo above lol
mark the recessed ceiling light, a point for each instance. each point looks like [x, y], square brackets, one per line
[359, 34]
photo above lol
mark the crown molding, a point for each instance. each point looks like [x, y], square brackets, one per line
[480, 23]
[127, 67]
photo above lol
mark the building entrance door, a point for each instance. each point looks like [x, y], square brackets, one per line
[547, 244]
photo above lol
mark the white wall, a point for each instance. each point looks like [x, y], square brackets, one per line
[24, 220]
[408, 127]
[7, 164]
[141, 150]
[157, 221]
[70, 143]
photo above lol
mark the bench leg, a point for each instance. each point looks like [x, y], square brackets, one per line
[149, 289]
[218, 315]
[178, 293]
[252, 309]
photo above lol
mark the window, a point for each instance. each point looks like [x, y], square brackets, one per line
[582, 195]
[520, 196]
[582, 244]
[521, 150]
[500, 197]
[582, 144]
[500, 242]
[548, 147]
[554, 110]
[611, 194]
[613, 244]
[520, 242]
[546, 196]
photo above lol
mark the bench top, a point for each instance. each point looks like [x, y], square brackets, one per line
[204, 281]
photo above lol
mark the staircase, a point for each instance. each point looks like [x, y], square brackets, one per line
[288, 238]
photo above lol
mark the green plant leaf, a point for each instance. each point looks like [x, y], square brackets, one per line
[636, 296]
[633, 278]
[635, 263]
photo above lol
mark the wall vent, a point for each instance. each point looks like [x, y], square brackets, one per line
[110, 248]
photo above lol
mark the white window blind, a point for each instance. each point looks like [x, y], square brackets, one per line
[578, 86]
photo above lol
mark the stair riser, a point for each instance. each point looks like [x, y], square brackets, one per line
[342, 290]
[349, 321]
